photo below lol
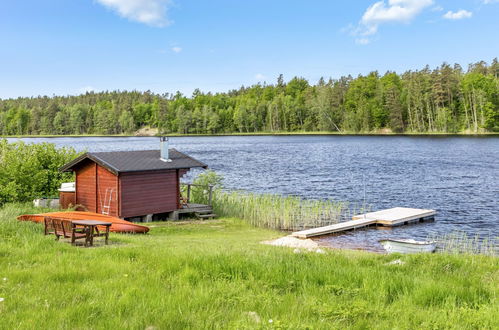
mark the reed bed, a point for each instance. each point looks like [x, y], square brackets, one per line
[277, 211]
[461, 243]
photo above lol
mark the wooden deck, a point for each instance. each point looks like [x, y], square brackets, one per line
[202, 211]
[194, 208]
[390, 217]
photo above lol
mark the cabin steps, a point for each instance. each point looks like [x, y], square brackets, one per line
[201, 211]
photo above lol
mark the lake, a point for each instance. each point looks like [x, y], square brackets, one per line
[457, 176]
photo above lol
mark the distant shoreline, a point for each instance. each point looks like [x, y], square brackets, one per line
[487, 134]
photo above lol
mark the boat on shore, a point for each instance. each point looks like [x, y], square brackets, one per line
[407, 246]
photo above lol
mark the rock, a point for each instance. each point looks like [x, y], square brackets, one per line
[54, 203]
[254, 316]
[40, 202]
[396, 262]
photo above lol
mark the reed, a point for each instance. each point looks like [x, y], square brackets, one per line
[277, 211]
[459, 242]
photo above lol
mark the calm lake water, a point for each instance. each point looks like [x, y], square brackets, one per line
[457, 176]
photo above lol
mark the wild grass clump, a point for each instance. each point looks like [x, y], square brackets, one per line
[459, 242]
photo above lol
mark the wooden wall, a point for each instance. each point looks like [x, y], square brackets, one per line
[86, 186]
[148, 192]
[92, 183]
[132, 194]
[67, 199]
[107, 192]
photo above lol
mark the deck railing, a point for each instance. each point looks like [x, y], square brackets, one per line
[207, 189]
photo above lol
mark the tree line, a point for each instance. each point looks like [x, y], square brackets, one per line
[447, 99]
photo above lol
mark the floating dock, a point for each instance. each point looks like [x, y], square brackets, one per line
[391, 217]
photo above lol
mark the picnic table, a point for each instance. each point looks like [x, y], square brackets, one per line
[92, 230]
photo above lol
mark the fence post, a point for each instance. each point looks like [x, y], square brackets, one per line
[188, 192]
[211, 194]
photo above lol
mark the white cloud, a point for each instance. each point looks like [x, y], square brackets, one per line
[381, 12]
[460, 14]
[260, 77]
[399, 11]
[488, 2]
[395, 11]
[176, 49]
[150, 12]
[86, 89]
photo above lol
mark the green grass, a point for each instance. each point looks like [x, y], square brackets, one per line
[215, 274]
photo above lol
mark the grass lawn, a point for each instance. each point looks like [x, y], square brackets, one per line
[215, 274]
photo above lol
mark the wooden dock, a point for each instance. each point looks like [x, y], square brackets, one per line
[390, 217]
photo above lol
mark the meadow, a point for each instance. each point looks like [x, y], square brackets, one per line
[216, 274]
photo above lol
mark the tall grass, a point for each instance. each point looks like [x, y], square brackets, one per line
[272, 210]
[460, 242]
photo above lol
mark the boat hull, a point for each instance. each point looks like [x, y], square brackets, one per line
[118, 225]
[400, 246]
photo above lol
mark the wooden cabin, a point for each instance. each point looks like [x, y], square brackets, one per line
[130, 184]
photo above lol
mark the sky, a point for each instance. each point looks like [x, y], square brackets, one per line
[61, 47]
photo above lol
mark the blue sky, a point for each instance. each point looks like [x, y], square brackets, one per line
[66, 47]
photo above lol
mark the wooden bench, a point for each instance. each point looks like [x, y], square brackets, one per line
[65, 228]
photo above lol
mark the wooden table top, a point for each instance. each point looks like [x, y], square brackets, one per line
[91, 223]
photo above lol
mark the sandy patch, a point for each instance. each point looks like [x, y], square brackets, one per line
[146, 131]
[293, 242]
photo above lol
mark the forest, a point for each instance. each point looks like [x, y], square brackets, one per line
[447, 99]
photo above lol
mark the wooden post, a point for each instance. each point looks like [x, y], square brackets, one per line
[188, 192]
[210, 194]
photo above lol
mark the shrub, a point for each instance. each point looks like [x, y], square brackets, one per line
[29, 171]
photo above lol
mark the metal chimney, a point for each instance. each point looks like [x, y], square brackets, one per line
[163, 148]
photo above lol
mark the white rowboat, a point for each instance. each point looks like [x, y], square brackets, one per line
[407, 246]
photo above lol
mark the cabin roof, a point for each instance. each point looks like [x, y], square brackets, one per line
[136, 161]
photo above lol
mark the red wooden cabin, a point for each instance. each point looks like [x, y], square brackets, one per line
[130, 184]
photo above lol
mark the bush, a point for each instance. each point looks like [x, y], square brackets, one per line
[200, 188]
[29, 171]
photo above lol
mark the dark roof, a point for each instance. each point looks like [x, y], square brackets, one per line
[136, 161]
